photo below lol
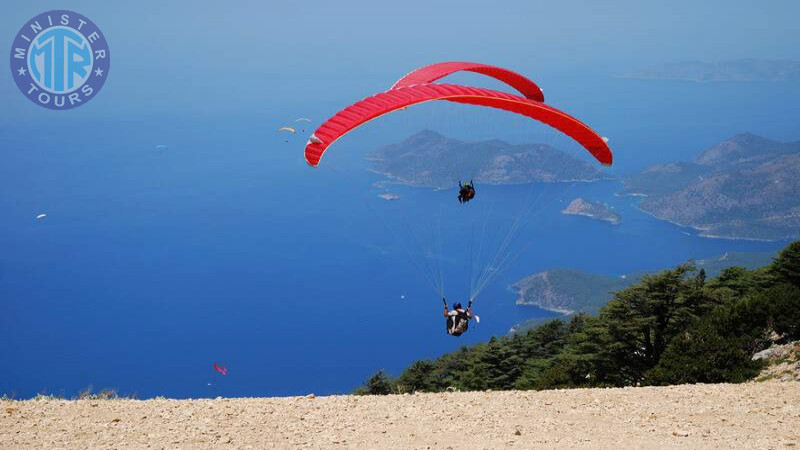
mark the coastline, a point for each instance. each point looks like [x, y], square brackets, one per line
[393, 179]
[612, 221]
[701, 232]
[521, 301]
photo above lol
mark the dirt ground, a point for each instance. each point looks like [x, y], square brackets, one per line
[752, 416]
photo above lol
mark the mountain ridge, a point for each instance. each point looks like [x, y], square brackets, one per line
[429, 159]
[742, 188]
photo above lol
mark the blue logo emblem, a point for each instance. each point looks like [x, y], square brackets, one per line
[60, 59]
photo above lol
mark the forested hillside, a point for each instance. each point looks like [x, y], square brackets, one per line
[673, 327]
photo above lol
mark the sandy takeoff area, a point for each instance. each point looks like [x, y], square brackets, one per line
[752, 415]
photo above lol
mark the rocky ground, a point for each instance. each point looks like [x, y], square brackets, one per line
[751, 415]
[783, 362]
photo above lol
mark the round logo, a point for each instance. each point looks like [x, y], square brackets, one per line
[60, 59]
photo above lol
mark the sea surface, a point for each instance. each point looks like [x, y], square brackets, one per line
[223, 246]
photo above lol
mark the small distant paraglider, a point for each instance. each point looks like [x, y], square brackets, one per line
[303, 119]
[161, 147]
[41, 216]
[221, 369]
[287, 130]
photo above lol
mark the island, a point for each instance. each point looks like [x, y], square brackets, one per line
[743, 188]
[428, 159]
[742, 70]
[593, 210]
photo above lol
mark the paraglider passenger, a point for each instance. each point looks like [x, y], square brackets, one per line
[466, 192]
[457, 319]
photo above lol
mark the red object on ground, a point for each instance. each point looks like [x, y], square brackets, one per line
[429, 74]
[372, 107]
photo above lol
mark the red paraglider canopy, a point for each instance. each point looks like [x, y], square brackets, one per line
[221, 369]
[429, 74]
[401, 97]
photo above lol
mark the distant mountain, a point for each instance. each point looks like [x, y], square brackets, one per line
[570, 291]
[594, 210]
[738, 70]
[746, 187]
[429, 159]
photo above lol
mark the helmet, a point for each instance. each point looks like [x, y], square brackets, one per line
[457, 305]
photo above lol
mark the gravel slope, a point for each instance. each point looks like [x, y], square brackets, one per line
[752, 415]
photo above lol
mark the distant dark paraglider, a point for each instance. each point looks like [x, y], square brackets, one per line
[417, 87]
[284, 130]
[221, 369]
[466, 192]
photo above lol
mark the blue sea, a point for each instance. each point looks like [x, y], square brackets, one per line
[154, 263]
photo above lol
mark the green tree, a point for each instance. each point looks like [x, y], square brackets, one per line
[786, 266]
[641, 320]
[585, 359]
[783, 305]
[452, 368]
[500, 363]
[719, 347]
[419, 376]
[565, 372]
[736, 282]
[705, 355]
[378, 384]
[541, 345]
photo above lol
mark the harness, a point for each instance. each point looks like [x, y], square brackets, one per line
[458, 323]
[466, 193]
[470, 193]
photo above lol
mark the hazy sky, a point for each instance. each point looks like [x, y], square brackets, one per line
[249, 53]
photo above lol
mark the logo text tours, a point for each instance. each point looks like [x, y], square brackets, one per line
[60, 59]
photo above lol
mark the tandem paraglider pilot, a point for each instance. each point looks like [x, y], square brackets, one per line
[457, 319]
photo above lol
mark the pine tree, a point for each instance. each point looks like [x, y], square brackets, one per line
[378, 384]
[641, 320]
[786, 266]
[419, 376]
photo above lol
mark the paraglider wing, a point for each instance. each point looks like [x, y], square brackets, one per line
[372, 107]
[221, 369]
[302, 119]
[290, 129]
[429, 74]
